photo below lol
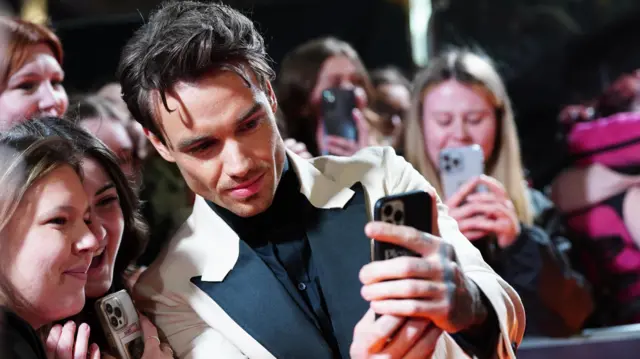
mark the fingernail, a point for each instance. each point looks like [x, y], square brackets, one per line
[364, 292]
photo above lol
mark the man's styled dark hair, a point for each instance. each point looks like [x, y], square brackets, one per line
[182, 41]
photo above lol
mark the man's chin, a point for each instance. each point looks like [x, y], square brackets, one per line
[249, 208]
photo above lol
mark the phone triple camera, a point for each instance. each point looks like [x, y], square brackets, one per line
[451, 162]
[115, 314]
[393, 212]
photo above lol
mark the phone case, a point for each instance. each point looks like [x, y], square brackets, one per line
[459, 165]
[413, 209]
[121, 325]
[337, 113]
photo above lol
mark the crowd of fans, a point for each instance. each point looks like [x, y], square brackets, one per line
[571, 253]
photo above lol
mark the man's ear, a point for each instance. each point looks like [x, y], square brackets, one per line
[272, 97]
[159, 146]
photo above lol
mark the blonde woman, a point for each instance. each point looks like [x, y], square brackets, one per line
[460, 100]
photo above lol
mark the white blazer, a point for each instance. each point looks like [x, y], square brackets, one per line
[206, 292]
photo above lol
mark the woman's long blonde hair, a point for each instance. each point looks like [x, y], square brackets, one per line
[505, 163]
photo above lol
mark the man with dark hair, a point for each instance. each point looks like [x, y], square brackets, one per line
[272, 262]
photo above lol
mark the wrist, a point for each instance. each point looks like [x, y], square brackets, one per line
[480, 312]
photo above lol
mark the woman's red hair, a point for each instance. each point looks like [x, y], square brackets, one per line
[21, 35]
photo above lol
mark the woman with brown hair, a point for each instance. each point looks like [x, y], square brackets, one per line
[30, 73]
[305, 73]
[460, 100]
[122, 234]
[47, 242]
[392, 102]
[100, 117]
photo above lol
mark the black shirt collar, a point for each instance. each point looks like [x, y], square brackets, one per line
[279, 213]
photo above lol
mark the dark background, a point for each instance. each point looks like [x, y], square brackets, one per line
[550, 52]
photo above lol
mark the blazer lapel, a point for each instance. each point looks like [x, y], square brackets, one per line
[339, 249]
[254, 298]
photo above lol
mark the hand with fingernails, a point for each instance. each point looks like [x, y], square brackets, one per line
[153, 347]
[418, 297]
[64, 343]
[482, 213]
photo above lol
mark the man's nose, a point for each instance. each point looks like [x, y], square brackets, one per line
[237, 164]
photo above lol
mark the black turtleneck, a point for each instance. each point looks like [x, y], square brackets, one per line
[278, 236]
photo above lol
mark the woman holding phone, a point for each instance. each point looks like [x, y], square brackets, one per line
[460, 100]
[119, 228]
[307, 71]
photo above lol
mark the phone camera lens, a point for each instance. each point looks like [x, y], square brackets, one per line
[398, 216]
[388, 210]
[328, 96]
[118, 312]
[456, 162]
[109, 308]
[447, 168]
[114, 321]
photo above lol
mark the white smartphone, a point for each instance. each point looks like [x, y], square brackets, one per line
[121, 325]
[458, 165]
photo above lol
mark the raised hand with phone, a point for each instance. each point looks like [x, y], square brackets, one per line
[415, 284]
[462, 136]
[480, 214]
[479, 203]
[342, 128]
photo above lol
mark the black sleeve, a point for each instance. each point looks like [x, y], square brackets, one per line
[17, 339]
[481, 342]
[557, 299]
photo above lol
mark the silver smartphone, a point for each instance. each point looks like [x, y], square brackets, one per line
[121, 325]
[458, 165]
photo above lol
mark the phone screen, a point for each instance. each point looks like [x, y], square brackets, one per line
[337, 113]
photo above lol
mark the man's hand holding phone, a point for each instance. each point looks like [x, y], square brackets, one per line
[393, 337]
[431, 286]
[418, 297]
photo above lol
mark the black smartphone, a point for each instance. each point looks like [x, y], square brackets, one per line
[413, 209]
[337, 113]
